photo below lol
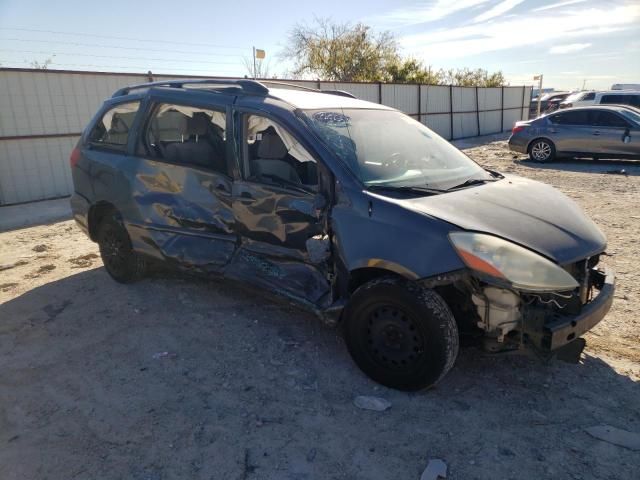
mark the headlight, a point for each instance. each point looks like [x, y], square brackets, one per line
[498, 258]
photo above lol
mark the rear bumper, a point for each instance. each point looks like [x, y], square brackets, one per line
[517, 144]
[559, 330]
[80, 210]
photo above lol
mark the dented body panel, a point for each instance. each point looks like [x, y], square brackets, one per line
[309, 244]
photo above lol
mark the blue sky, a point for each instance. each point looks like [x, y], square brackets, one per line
[570, 41]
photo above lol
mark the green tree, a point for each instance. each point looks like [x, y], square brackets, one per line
[341, 52]
[465, 77]
[411, 70]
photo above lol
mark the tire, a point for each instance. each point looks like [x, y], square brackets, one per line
[542, 150]
[400, 334]
[120, 261]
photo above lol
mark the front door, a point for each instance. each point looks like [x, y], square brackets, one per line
[280, 212]
[182, 185]
[609, 131]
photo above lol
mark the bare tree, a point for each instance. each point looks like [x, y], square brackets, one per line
[340, 51]
[42, 66]
[262, 69]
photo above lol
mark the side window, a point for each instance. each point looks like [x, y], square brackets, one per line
[635, 100]
[576, 117]
[608, 119]
[590, 96]
[112, 130]
[187, 136]
[615, 99]
[272, 155]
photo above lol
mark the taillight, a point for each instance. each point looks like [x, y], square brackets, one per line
[74, 157]
[517, 128]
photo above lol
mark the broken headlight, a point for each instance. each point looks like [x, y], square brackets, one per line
[522, 268]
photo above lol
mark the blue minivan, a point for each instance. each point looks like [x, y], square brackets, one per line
[350, 208]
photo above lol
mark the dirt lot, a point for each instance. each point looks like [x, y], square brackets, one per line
[251, 388]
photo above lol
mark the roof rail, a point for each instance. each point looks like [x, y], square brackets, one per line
[341, 93]
[250, 86]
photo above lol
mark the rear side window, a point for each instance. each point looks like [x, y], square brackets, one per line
[616, 99]
[608, 119]
[576, 117]
[589, 96]
[112, 130]
[187, 135]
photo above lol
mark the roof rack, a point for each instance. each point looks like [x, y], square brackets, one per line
[250, 86]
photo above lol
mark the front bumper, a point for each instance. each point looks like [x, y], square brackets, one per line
[551, 332]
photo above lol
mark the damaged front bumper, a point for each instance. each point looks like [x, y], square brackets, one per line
[549, 332]
[546, 322]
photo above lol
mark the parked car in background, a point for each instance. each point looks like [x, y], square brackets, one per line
[625, 86]
[350, 208]
[596, 132]
[578, 99]
[548, 103]
[609, 97]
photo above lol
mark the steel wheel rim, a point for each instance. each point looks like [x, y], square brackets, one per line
[541, 151]
[393, 338]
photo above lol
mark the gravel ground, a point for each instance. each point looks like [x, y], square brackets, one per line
[176, 377]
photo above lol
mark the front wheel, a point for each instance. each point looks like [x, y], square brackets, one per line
[121, 262]
[400, 334]
[542, 150]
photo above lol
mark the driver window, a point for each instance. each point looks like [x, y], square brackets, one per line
[112, 130]
[272, 155]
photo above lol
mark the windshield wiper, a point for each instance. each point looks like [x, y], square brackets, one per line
[472, 181]
[405, 188]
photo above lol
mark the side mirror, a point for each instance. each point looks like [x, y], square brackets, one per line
[626, 136]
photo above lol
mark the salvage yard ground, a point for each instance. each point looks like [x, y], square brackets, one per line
[178, 377]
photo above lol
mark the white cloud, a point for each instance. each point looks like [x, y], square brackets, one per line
[569, 48]
[497, 10]
[557, 5]
[521, 31]
[422, 14]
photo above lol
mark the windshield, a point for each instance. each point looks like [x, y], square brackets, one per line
[388, 148]
[631, 114]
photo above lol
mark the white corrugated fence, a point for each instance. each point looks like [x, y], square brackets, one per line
[43, 112]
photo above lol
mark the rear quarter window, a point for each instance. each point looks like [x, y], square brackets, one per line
[112, 130]
[577, 117]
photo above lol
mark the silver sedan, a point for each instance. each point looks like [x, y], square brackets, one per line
[611, 131]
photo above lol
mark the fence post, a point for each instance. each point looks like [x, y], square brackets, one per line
[502, 110]
[319, 87]
[420, 103]
[380, 93]
[451, 110]
[477, 112]
[522, 106]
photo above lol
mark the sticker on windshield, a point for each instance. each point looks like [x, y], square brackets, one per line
[332, 119]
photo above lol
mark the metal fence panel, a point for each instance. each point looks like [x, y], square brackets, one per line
[402, 97]
[437, 99]
[489, 98]
[490, 122]
[35, 169]
[465, 125]
[464, 99]
[441, 124]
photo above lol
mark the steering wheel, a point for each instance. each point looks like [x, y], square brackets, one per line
[396, 161]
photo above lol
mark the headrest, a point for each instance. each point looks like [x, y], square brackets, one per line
[198, 124]
[271, 146]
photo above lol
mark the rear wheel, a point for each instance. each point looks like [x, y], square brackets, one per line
[121, 262]
[400, 334]
[542, 150]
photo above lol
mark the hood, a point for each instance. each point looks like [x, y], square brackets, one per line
[530, 213]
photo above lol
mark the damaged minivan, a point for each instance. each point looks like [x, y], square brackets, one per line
[350, 208]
